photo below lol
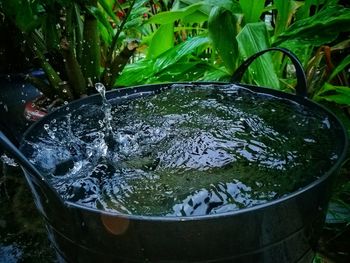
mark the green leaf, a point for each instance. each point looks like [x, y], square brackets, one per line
[172, 16]
[337, 94]
[222, 20]
[216, 74]
[162, 40]
[252, 10]
[99, 15]
[147, 70]
[181, 71]
[106, 36]
[78, 28]
[50, 33]
[283, 15]
[25, 14]
[342, 65]
[179, 52]
[196, 17]
[337, 98]
[230, 5]
[254, 38]
[136, 73]
[108, 9]
[339, 89]
[319, 29]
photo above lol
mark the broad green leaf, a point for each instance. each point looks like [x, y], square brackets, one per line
[342, 65]
[319, 29]
[107, 8]
[230, 5]
[106, 37]
[337, 98]
[252, 10]
[136, 73]
[304, 11]
[196, 17]
[216, 74]
[284, 15]
[180, 51]
[25, 14]
[254, 38]
[146, 70]
[327, 87]
[337, 94]
[100, 16]
[172, 16]
[222, 20]
[162, 40]
[181, 71]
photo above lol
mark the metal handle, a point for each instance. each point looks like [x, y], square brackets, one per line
[300, 88]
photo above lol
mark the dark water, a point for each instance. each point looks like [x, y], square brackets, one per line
[187, 151]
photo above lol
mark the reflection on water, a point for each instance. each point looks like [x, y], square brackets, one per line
[221, 198]
[187, 151]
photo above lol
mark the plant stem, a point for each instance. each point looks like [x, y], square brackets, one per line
[91, 48]
[109, 61]
[75, 75]
[52, 76]
[78, 31]
[119, 63]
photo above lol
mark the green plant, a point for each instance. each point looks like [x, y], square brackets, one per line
[77, 43]
[206, 40]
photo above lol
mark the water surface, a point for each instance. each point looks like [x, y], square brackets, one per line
[187, 151]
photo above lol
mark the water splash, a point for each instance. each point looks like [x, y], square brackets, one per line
[106, 108]
[8, 160]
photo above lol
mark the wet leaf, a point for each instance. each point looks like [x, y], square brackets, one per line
[222, 20]
[196, 17]
[182, 50]
[319, 29]
[107, 8]
[252, 39]
[25, 14]
[146, 70]
[162, 40]
[341, 66]
[230, 5]
[181, 71]
[100, 16]
[172, 16]
[143, 69]
[337, 98]
[50, 32]
[284, 15]
[332, 93]
[252, 10]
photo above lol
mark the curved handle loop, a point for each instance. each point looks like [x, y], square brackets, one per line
[300, 88]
